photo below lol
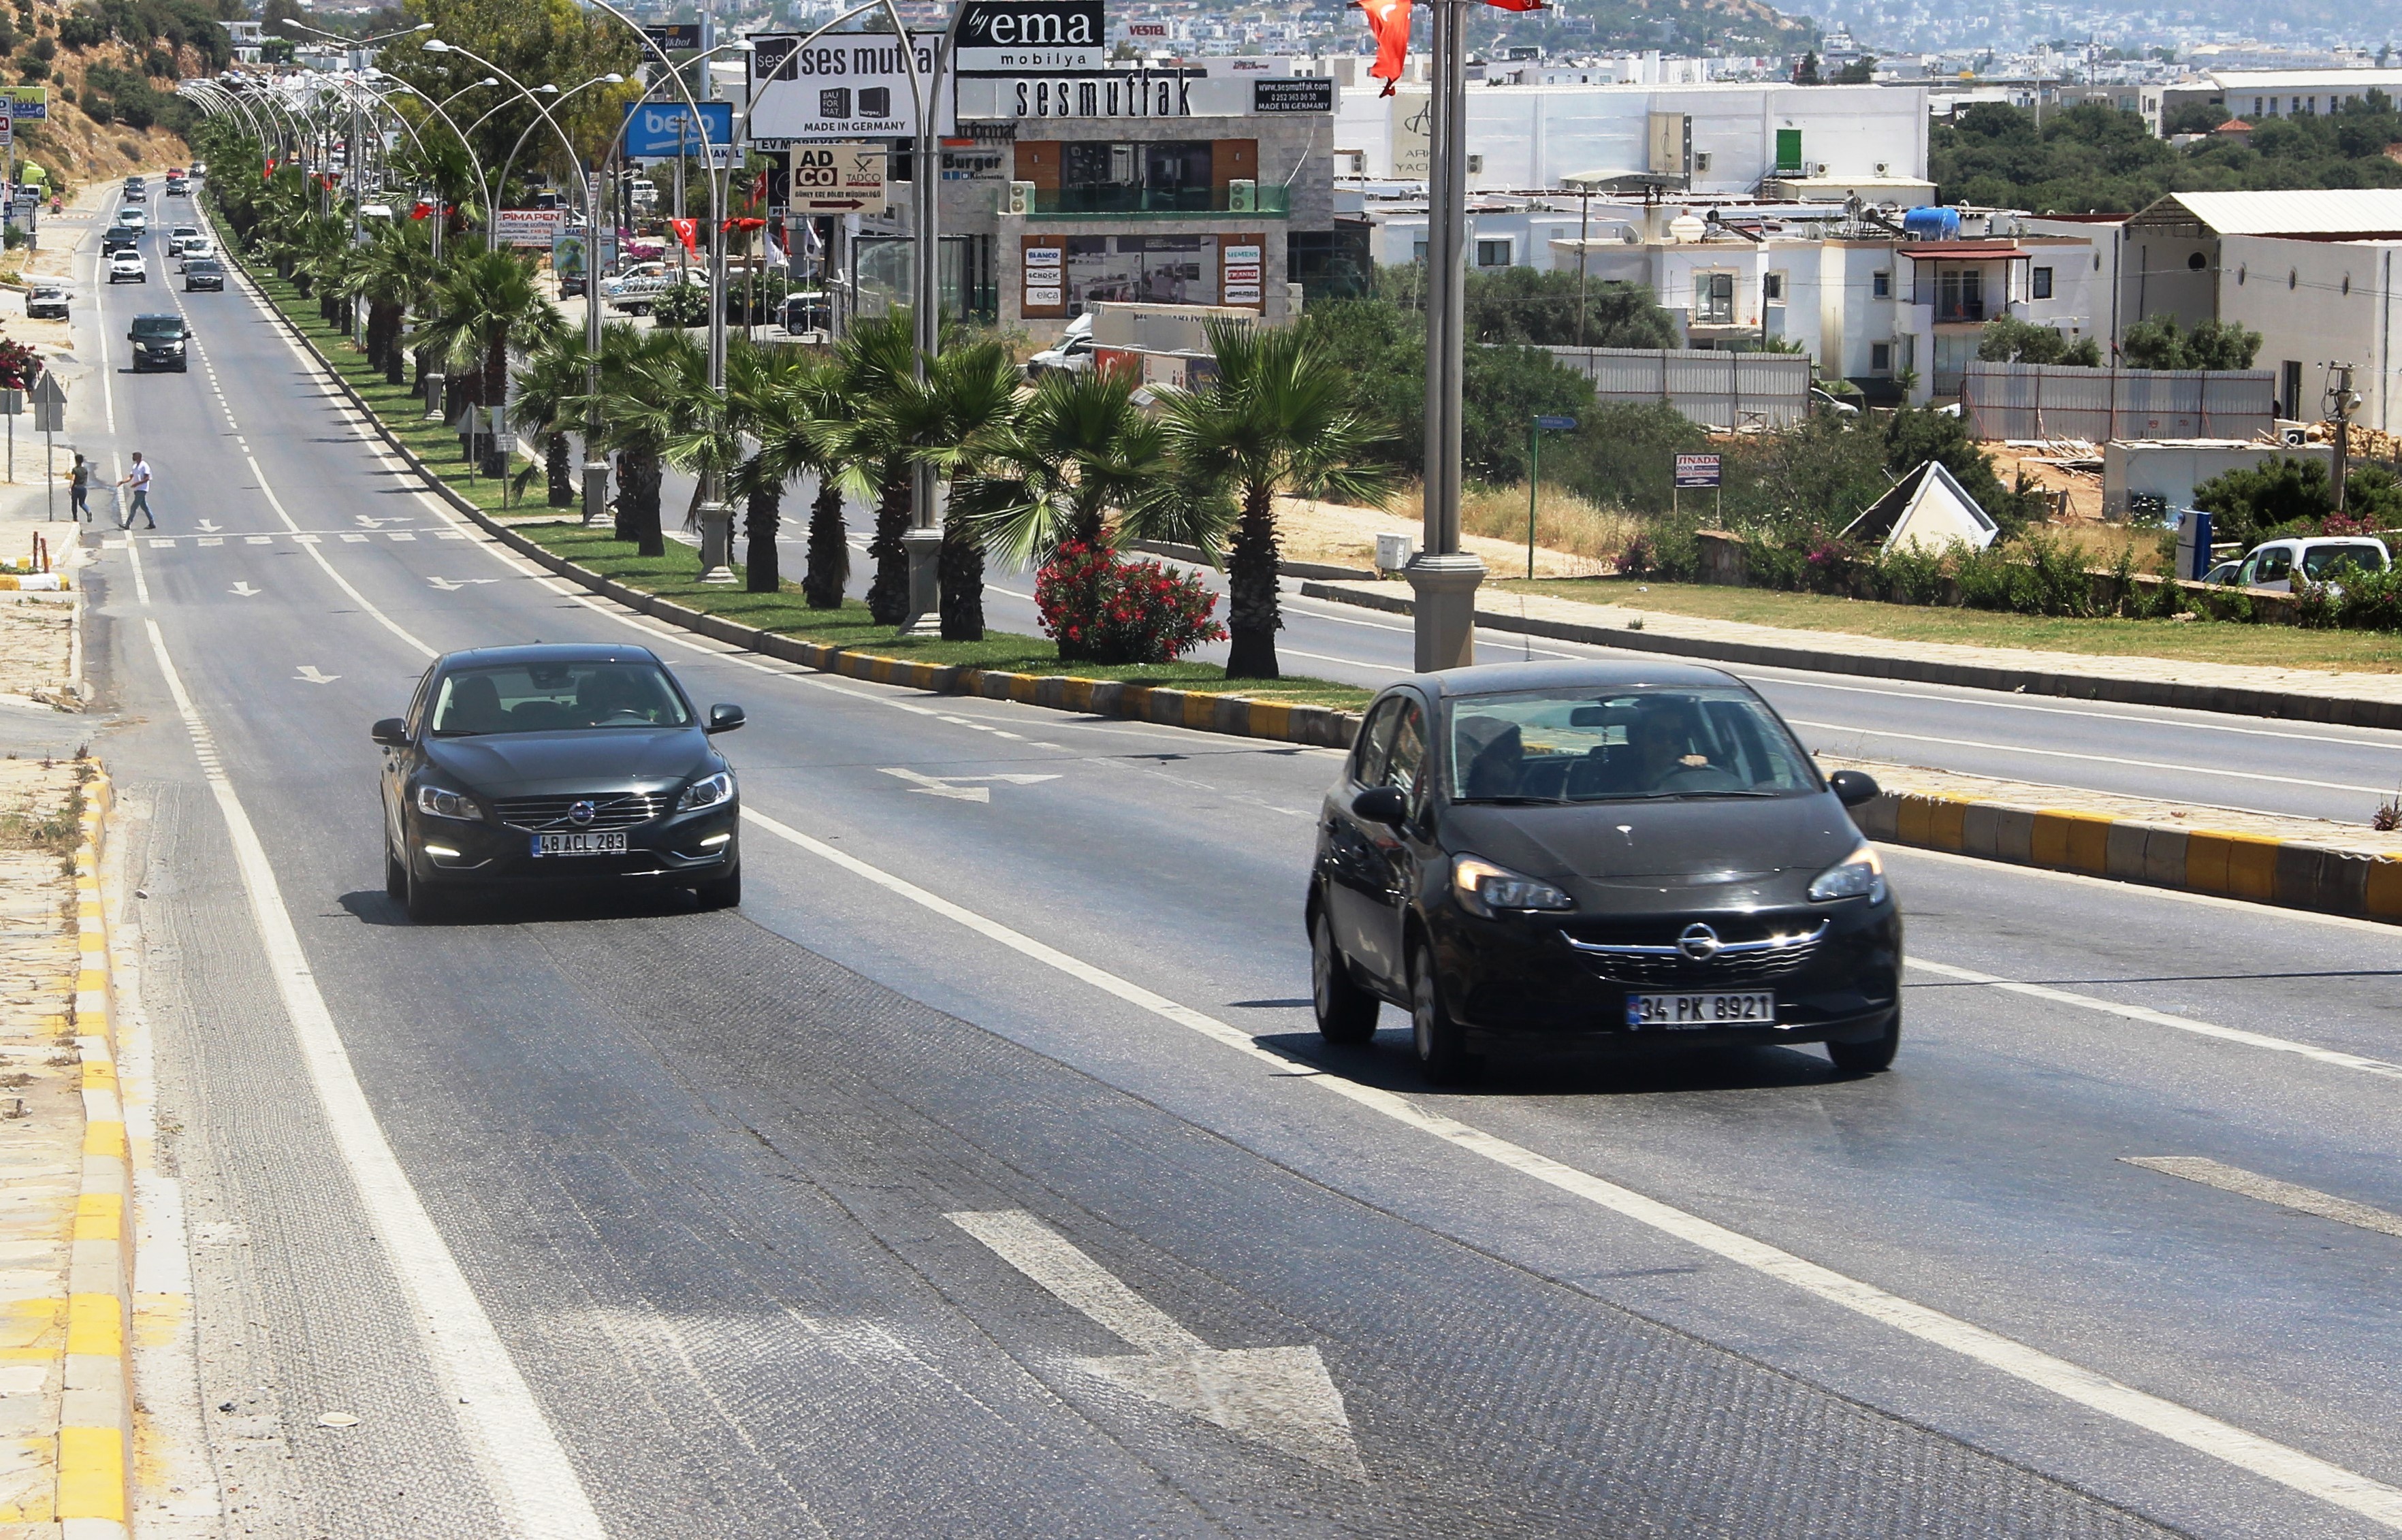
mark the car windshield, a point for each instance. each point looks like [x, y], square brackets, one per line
[203, 266]
[158, 325]
[549, 697]
[1614, 745]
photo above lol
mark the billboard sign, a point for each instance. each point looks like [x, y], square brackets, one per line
[1046, 267]
[675, 38]
[1413, 135]
[836, 179]
[536, 227]
[1012, 36]
[28, 101]
[1294, 93]
[661, 131]
[1697, 470]
[842, 86]
[1242, 272]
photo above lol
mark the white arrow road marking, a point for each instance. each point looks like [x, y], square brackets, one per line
[947, 786]
[365, 522]
[246, 591]
[309, 671]
[1282, 1397]
[451, 585]
[210, 526]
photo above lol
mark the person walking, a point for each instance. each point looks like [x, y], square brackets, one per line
[79, 490]
[138, 479]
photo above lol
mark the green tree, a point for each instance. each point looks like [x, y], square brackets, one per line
[550, 391]
[801, 433]
[764, 392]
[1276, 418]
[486, 306]
[654, 389]
[1860, 72]
[1080, 448]
[1522, 305]
[2260, 501]
[1806, 72]
[2008, 339]
[2155, 342]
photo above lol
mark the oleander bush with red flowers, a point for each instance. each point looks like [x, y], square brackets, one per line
[1101, 610]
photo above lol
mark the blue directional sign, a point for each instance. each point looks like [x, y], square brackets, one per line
[656, 129]
[1556, 424]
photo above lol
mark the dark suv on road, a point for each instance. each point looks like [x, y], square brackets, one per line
[1597, 855]
[161, 343]
[561, 767]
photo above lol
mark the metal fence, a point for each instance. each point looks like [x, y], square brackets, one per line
[1717, 390]
[2060, 401]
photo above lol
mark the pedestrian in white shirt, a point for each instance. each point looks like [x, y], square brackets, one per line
[139, 479]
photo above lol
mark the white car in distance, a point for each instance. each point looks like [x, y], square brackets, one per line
[128, 265]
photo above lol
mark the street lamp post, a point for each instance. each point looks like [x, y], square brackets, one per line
[1445, 577]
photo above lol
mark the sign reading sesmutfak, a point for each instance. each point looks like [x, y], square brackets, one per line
[844, 86]
[1294, 93]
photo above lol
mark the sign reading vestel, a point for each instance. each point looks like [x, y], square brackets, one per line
[836, 179]
[1032, 34]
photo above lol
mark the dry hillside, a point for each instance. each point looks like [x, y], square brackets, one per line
[72, 144]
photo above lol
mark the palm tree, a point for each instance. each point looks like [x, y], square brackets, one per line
[802, 433]
[1079, 447]
[889, 420]
[396, 275]
[654, 390]
[763, 396]
[484, 306]
[1277, 419]
[549, 388]
[972, 392]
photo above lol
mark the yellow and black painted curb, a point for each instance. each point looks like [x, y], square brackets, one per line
[95, 1462]
[1239, 716]
[2288, 874]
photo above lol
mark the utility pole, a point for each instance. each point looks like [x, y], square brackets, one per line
[2342, 403]
[1444, 577]
[596, 464]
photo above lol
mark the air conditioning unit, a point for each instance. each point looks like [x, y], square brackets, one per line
[1883, 166]
[1820, 170]
[1021, 198]
[2295, 435]
[1242, 195]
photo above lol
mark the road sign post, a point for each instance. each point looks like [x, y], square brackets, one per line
[1696, 471]
[49, 420]
[1535, 431]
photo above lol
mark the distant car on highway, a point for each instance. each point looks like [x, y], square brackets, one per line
[1071, 354]
[161, 343]
[177, 185]
[193, 246]
[48, 302]
[132, 219]
[563, 768]
[1592, 856]
[2319, 558]
[640, 286]
[204, 272]
[128, 266]
[136, 190]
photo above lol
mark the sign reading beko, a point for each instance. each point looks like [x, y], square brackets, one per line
[661, 131]
[1032, 34]
[844, 86]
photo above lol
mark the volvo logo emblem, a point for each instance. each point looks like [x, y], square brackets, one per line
[1698, 942]
[581, 813]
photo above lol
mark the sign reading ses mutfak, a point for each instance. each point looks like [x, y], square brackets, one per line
[845, 86]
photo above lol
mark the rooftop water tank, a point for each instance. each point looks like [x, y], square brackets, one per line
[1932, 224]
[1684, 229]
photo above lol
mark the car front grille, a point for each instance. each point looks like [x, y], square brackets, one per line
[610, 810]
[1749, 949]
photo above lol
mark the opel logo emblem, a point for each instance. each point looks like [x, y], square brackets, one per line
[581, 812]
[1698, 942]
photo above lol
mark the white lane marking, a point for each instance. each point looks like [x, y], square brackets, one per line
[99, 287]
[309, 672]
[2092, 758]
[2248, 908]
[451, 585]
[1282, 1397]
[2245, 1450]
[319, 557]
[1347, 663]
[243, 590]
[535, 1487]
[962, 788]
[2162, 1018]
[2268, 1190]
[207, 526]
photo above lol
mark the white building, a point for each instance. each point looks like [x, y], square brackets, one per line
[2257, 95]
[1820, 143]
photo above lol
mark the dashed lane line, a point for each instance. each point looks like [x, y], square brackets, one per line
[2268, 1190]
[2245, 1450]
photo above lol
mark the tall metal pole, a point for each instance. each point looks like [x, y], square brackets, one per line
[923, 540]
[1444, 577]
[596, 464]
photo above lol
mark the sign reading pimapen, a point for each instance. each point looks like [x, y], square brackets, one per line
[836, 179]
[1032, 34]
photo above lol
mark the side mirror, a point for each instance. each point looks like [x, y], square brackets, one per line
[726, 718]
[391, 733]
[1852, 787]
[1384, 804]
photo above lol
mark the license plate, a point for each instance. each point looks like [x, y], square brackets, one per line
[581, 843]
[1697, 1013]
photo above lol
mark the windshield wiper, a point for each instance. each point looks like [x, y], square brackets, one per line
[1515, 802]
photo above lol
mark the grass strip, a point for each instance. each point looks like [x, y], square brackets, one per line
[2194, 640]
[676, 575]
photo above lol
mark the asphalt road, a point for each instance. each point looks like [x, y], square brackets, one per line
[678, 1233]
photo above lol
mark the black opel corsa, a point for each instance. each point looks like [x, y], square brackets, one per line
[556, 767]
[1591, 854]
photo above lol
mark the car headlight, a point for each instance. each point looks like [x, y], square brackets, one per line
[439, 803]
[1483, 887]
[707, 793]
[1859, 876]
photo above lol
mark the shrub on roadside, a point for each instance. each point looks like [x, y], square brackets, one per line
[1101, 610]
[682, 305]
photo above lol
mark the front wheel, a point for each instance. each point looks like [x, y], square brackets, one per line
[1441, 1041]
[1346, 1014]
[1866, 1058]
[725, 893]
[426, 905]
[396, 877]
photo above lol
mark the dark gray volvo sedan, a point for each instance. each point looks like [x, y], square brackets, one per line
[1597, 854]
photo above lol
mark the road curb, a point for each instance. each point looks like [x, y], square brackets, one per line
[1237, 716]
[95, 1454]
[2284, 706]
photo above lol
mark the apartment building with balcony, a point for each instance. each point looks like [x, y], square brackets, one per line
[1202, 184]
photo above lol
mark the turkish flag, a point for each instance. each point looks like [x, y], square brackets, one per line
[422, 211]
[268, 175]
[1388, 21]
[1517, 5]
[736, 226]
[687, 234]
